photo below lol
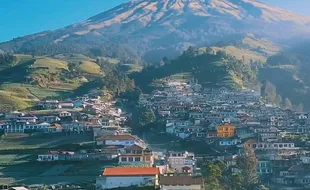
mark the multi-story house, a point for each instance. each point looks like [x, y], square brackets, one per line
[136, 155]
[269, 145]
[226, 130]
[182, 161]
[264, 167]
[49, 118]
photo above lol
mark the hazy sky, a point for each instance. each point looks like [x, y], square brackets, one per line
[22, 17]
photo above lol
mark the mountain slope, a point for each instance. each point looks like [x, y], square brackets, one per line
[289, 72]
[140, 26]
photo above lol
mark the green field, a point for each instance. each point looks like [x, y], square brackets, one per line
[53, 65]
[41, 141]
[19, 152]
[91, 68]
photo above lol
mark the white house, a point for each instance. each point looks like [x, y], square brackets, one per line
[49, 156]
[124, 140]
[125, 177]
[64, 114]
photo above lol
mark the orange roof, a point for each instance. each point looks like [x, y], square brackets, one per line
[130, 171]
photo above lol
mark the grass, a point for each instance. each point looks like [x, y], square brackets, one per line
[23, 57]
[130, 68]
[9, 100]
[264, 45]
[84, 168]
[91, 68]
[111, 60]
[53, 65]
[39, 141]
[13, 158]
[241, 53]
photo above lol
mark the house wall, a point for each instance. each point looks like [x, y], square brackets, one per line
[177, 163]
[189, 187]
[48, 157]
[136, 160]
[109, 182]
[120, 142]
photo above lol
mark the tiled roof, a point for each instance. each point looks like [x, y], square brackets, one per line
[130, 171]
[180, 180]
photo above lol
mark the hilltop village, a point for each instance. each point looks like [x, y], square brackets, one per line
[221, 121]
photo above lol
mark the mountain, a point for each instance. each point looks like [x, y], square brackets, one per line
[163, 27]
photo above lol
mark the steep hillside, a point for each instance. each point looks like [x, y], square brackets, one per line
[163, 27]
[248, 48]
[289, 72]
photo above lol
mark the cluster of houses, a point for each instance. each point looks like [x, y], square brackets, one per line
[230, 120]
[83, 114]
[139, 165]
[223, 119]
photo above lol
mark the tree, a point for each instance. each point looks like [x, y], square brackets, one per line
[248, 165]
[269, 91]
[261, 187]
[146, 116]
[300, 107]
[287, 104]
[236, 182]
[279, 100]
[214, 174]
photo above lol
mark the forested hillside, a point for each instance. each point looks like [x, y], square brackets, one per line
[211, 70]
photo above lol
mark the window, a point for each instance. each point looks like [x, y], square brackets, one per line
[124, 159]
[130, 159]
[137, 159]
[285, 145]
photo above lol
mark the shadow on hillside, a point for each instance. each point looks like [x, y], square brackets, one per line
[16, 73]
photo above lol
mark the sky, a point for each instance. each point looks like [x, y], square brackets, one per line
[23, 17]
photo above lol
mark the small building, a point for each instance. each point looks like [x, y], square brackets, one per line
[55, 155]
[181, 182]
[49, 118]
[126, 177]
[178, 160]
[64, 114]
[229, 141]
[125, 140]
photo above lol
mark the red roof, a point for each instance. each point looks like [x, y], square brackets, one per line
[130, 171]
